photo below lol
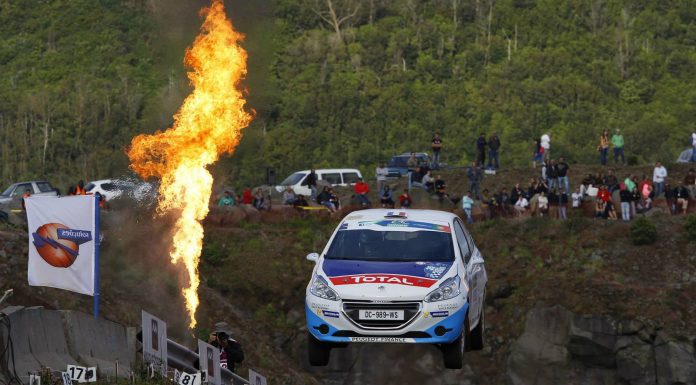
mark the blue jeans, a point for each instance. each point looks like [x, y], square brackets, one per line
[618, 151]
[493, 155]
[626, 211]
[469, 218]
[693, 155]
[563, 182]
[659, 188]
[436, 159]
[363, 200]
[603, 156]
[551, 183]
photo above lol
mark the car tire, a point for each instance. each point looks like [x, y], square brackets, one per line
[478, 335]
[317, 351]
[4, 217]
[453, 352]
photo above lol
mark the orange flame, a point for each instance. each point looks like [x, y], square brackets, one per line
[208, 124]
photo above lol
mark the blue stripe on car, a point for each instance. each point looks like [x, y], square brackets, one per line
[434, 270]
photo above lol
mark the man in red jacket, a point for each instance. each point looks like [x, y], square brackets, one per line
[361, 189]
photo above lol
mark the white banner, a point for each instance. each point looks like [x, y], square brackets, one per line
[154, 342]
[62, 247]
[209, 361]
[256, 378]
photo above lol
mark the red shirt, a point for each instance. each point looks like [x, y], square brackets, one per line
[404, 198]
[362, 188]
[247, 198]
[604, 195]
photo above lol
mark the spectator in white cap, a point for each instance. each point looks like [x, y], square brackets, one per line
[230, 350]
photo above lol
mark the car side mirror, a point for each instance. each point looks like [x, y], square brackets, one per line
[312, 257]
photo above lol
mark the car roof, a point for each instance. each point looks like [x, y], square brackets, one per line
[100, 181]
[411, 214]
[409, 154]
[330, 170]
[30, 181]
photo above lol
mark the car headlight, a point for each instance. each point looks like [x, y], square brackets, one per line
[321, 289]
[448, 290]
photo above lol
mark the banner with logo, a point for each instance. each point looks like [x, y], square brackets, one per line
[209, 361]
[63, 242]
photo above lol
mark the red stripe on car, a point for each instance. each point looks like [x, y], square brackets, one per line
[394, 279]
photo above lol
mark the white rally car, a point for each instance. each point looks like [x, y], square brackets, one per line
[385, 276]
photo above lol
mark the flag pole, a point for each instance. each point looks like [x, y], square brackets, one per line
[97, 242]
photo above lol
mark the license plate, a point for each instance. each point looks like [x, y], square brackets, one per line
[375, 315]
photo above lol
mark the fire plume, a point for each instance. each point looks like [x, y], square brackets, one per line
[207, 125]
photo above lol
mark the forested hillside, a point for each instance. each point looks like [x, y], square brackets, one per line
[75, 76]
[348, 82]
[360, 80]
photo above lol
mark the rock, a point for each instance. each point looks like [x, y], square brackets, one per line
[635, 361]
[674, 361]
[540, 355]
[592, 340]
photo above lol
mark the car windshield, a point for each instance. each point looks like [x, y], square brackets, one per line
[391, 246]
[293, 179]
[7, 192]
[398, 161]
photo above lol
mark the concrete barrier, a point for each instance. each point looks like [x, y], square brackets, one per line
[101, 343]
[55, 339]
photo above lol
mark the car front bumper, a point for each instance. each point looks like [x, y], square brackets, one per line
[435, 323]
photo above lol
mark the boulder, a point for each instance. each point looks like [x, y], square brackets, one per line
[592, 340]
[635, 361]
[674, 361]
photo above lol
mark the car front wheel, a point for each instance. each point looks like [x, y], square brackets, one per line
[479, 333]
[453, 352]
[317, 351]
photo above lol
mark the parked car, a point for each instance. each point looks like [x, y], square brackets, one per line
[386, 276]
[116, 188]
[332, 176]
[398, 164]
[12, 196]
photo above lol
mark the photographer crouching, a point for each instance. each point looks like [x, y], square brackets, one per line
[230, 350]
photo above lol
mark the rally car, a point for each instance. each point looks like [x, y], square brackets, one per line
[385, 276]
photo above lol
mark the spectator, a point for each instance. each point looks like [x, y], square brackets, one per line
[381, 173]
[562, 172]
[682, 195]
[600, 209]
[671, 198]
[412, 164]
[80, 188]
[693, 145]
[467, 206]
[481, 150]
[552, 174]
[227, 200]
[333, 198]
[247, 196]
[475, 175]
[515, 193]
[586, 183]
[436, 147]
[300, 201]
[659, 175]
[25, 195]
[611, 211]
[618, 142]
[546, 146]
[690, 183]
[386, 198]
[603, 194]
[545, 171]
[635, 198]
[603, 147]
[289, 196]
[493, 148]
[645, 189]
[405, 200]
[577, 198]
[311, 182]
[538, 153]
[630, 183]
[543, 204]
[488, 204]
[625, 197]
[611, 181]
[324, 199]
[503, 199]
[521, 205]
[230, 350]
[361, 189]
[428, 183]
[259, 199]
[440, 188]
[562, 205]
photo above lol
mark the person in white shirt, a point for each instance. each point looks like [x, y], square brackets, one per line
[543, 203]
[521, 204]
[381, 173]
[693, 144]
[659, 175]
[428, 182]
[546, 144]
[577, 198]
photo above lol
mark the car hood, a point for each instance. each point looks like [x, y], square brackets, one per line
[384, 280]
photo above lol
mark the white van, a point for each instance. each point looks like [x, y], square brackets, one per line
[333, 176]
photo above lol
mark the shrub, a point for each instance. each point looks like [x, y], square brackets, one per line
[643, 232]
[690, 228]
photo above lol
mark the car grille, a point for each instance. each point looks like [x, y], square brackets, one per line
[352, 310]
